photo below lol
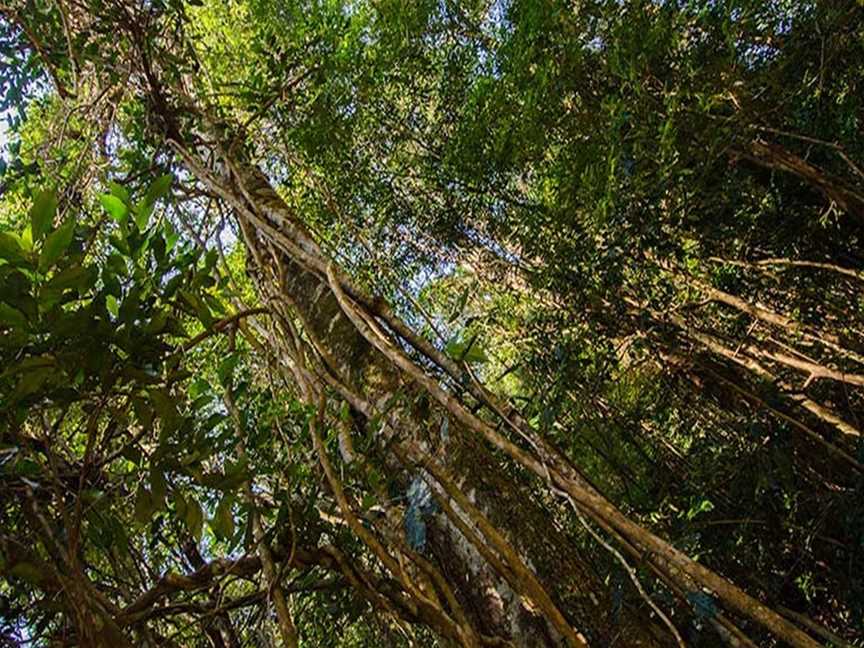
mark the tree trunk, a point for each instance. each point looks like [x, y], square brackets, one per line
[494, 607]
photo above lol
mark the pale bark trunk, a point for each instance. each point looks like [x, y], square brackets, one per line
[496, 608]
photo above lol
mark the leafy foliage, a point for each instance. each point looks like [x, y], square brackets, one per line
[639, 224]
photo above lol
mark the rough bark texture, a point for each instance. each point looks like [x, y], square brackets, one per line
[495, 609]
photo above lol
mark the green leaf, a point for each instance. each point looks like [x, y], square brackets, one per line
[460, 304]
[33, 380]
[698, 507]
[200, 307]
[92, 495]
[199, 386]
[171, 237]
[158, 486]
[74, 276]
[158, 188]
[143, 411]
[55, 245]
[49, 298]
[42, 214]
[180, 505]
[27, 572]
[223, 520]
[27, 239]
[157, 323]
[115, 207]
[226, 368]
[120, 191]
[237, 471]
[166, 408]
[469, 352]
[10, 247]
[194, 518]
[144, 505]
[120, 244]
[142, 215]
[112, 305]
[12, 317]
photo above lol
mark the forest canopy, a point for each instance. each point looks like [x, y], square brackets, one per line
[441, 323]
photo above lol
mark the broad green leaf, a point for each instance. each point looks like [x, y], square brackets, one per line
[223, 520]
[194, 518]
[180, 505]
[112, 305]
[469, 352]
[33, 380]
[158, 188]
[74, 276]
[55, 245]
[12, 317]
[132, 453]
[166, 408]
[158, 486]
[157, 322]
[120, 191]
[27, 239]
[10, 247]
[91, 495]
[171, 237]
[143, 411]
[142, 215]
[144, 505]
[120, 244]
[200, 307]
[226, 368]
[42, 214]
[460, 304]
[235, 468]
[117, 264]
[199, 386]
[49, 298]
[214, 304]
[115, 207]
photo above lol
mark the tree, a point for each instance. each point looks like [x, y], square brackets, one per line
[334, 169]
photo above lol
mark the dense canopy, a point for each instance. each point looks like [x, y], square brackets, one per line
[435, 323]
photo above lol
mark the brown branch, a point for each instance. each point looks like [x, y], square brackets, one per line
[221, 325]
[460, 631]
[39, 48]
[287, 628]
[522, 578]
[266, 211]
[680, 566]
[777, 158]
[792, 263]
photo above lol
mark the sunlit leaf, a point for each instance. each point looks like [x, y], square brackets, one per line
[112, 305]
[55, 245]
[115, 207]
[42, 214]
